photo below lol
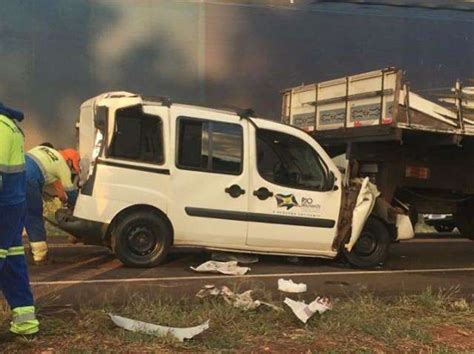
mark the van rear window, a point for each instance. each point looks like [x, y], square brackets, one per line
[138, 136]
[210, 146]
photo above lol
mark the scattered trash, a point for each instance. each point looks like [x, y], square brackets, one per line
[228, 268]
[242, 301]
[305, 311]
[149, 328]
[460, 304]
[237, 257]
[289, 287]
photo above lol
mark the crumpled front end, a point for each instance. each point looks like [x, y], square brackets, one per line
[360, 200]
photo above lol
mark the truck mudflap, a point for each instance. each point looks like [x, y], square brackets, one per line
[86, 231]
[360, 200]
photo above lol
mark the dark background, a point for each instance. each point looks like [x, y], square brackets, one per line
[57, 53]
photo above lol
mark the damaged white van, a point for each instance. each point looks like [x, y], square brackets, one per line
[159, 175]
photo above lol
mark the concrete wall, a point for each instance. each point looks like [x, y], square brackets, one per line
[57, 53]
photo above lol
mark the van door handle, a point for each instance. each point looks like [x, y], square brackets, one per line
[235, 191]
[262, 193]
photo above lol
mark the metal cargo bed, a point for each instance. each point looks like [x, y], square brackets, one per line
[373, 106]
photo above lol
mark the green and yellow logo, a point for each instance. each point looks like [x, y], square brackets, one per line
[286, 201]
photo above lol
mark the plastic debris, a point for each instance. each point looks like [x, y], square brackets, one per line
[305, 311]
[289, 287]
[242, 301]
[156, 330]
[228, 268]
[237, 257]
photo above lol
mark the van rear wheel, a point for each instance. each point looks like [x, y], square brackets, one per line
[141, 239]
[371, 249]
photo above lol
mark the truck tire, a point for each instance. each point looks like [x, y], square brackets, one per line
[141, 239]
[464, 219]
[444, 228]
[371, 249]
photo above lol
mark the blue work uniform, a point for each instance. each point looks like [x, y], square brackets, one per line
[14, 281]
[44, 166]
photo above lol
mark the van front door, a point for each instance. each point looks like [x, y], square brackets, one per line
[289, 210]
[210, 180]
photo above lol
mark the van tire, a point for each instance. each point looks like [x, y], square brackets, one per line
[371, 249]
[141, 239]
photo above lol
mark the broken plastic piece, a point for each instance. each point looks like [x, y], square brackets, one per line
[238, 257]
[364, 205]
[242, 301]
[149, 328]
[305, 311]
[228, 268]
[289, 287]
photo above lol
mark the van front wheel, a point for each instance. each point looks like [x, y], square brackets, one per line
[371, 249]
[141, 239]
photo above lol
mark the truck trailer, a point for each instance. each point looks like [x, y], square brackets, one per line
[419, 153]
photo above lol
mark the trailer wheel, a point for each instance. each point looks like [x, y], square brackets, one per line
[371, 249]
[141, 239]
[444, 228]
[464, 219]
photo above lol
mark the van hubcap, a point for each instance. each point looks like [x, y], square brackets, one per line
[365, 245]
[142, 241]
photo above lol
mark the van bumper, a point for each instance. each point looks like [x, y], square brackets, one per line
[87, 231]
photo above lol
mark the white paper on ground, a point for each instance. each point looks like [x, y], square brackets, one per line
[149, 328]
[305, 311]
[289, 287]
[228, 268]
[243, 301]
[237, 257]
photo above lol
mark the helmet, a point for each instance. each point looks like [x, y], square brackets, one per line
[72, 156]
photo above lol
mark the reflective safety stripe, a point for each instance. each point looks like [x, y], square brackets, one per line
[12, 169]
[24, 320]
[16, 251]
[3, 253]
[24, 317]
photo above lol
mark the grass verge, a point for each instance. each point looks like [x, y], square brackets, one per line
[428, 322]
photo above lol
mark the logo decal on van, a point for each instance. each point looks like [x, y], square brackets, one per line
[286, 201]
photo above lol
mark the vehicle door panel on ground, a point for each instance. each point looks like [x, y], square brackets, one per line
[287, 202]
[209, 179]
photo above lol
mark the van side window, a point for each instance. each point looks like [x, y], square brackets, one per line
[137, 136]
[209, 146]
[288, 161]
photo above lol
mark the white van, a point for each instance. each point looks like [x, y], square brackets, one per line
[159, 175]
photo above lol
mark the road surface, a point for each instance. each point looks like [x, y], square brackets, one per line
[91, 275]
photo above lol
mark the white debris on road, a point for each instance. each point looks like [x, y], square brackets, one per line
[237, 257]
[149, 328]
[305, 311]
[242, 301]
[228, 268]
[289, 287]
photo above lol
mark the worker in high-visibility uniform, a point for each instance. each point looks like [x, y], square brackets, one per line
[14, 281]
[46, 166]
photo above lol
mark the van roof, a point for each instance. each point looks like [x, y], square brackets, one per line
[105, 99]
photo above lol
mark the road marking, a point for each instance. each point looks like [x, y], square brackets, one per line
[250, 276]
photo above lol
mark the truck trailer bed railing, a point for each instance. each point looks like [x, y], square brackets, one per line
[376, 105]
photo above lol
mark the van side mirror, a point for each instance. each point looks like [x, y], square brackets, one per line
[330, 181]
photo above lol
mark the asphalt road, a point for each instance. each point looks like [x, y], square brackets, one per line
[92, 276]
